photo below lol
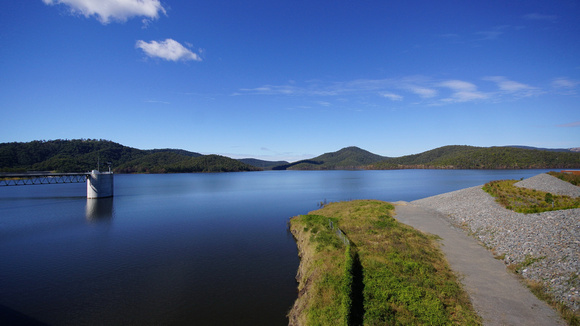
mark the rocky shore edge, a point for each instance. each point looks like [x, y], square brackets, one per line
[546, 246]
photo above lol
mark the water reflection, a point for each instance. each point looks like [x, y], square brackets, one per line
[183, 248]
[99, 209]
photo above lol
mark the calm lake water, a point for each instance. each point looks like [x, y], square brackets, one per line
[179, 249]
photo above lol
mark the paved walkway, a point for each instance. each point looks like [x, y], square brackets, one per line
[497, 295]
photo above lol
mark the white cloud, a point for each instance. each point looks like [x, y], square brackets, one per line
[458, 85]
[169, 50]
[565, 86]
[421, 91]
[156, 102]
[513, 87]
[564, 82]
[462, 91]
[468, 96]
[392, 96]
[418, 85]
[510, 85]
[272, 90]
[430, 91]
[107, 10]
[380, 87]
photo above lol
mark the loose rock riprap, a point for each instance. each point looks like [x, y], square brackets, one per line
[547, 245]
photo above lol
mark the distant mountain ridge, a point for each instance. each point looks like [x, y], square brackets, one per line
[82, 155]
[471, 157]
[347, 158]
[176, 151]
[261, 163]
[446, 157]
[576, 149]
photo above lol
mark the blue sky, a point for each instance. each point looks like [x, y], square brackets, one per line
[291, 79]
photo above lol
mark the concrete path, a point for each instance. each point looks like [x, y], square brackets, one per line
[497, 295]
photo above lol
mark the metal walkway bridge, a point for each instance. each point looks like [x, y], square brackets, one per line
[40, 178]
[99, 184]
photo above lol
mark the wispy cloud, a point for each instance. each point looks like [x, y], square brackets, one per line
[272, 90]
[565, 85]
[570, 125]
[462, 91]
[423, 92]
[169, 50]
[493, 33]
[391, 96]
[112, 10]
[536, 16]
[563, 82]
[428, 90]
[418, 85]
[458, 85]
[512, 87]
[318, 88]
[156, 102]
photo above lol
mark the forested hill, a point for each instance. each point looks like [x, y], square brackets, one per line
[261, 163]
[470, 157]
[346, 158]
[82, 155]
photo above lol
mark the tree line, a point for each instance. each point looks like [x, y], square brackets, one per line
[82, 155]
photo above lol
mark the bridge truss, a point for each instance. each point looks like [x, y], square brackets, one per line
[24, 179]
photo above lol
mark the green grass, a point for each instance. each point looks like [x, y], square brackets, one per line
[405, 279]
[523, 200]
[325, 270]
[347, 286]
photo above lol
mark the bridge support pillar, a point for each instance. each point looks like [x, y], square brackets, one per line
[99, 185]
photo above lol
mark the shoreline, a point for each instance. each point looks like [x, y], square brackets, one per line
[295, 315]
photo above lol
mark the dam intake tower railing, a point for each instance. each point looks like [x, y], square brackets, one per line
[99, 184]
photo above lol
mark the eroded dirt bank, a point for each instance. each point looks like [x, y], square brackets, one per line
[296, 316]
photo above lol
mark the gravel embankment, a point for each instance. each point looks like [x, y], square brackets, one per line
[551, 238]
[548, 183]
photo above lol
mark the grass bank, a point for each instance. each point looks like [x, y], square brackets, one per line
[386, 274]
[527, 201]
